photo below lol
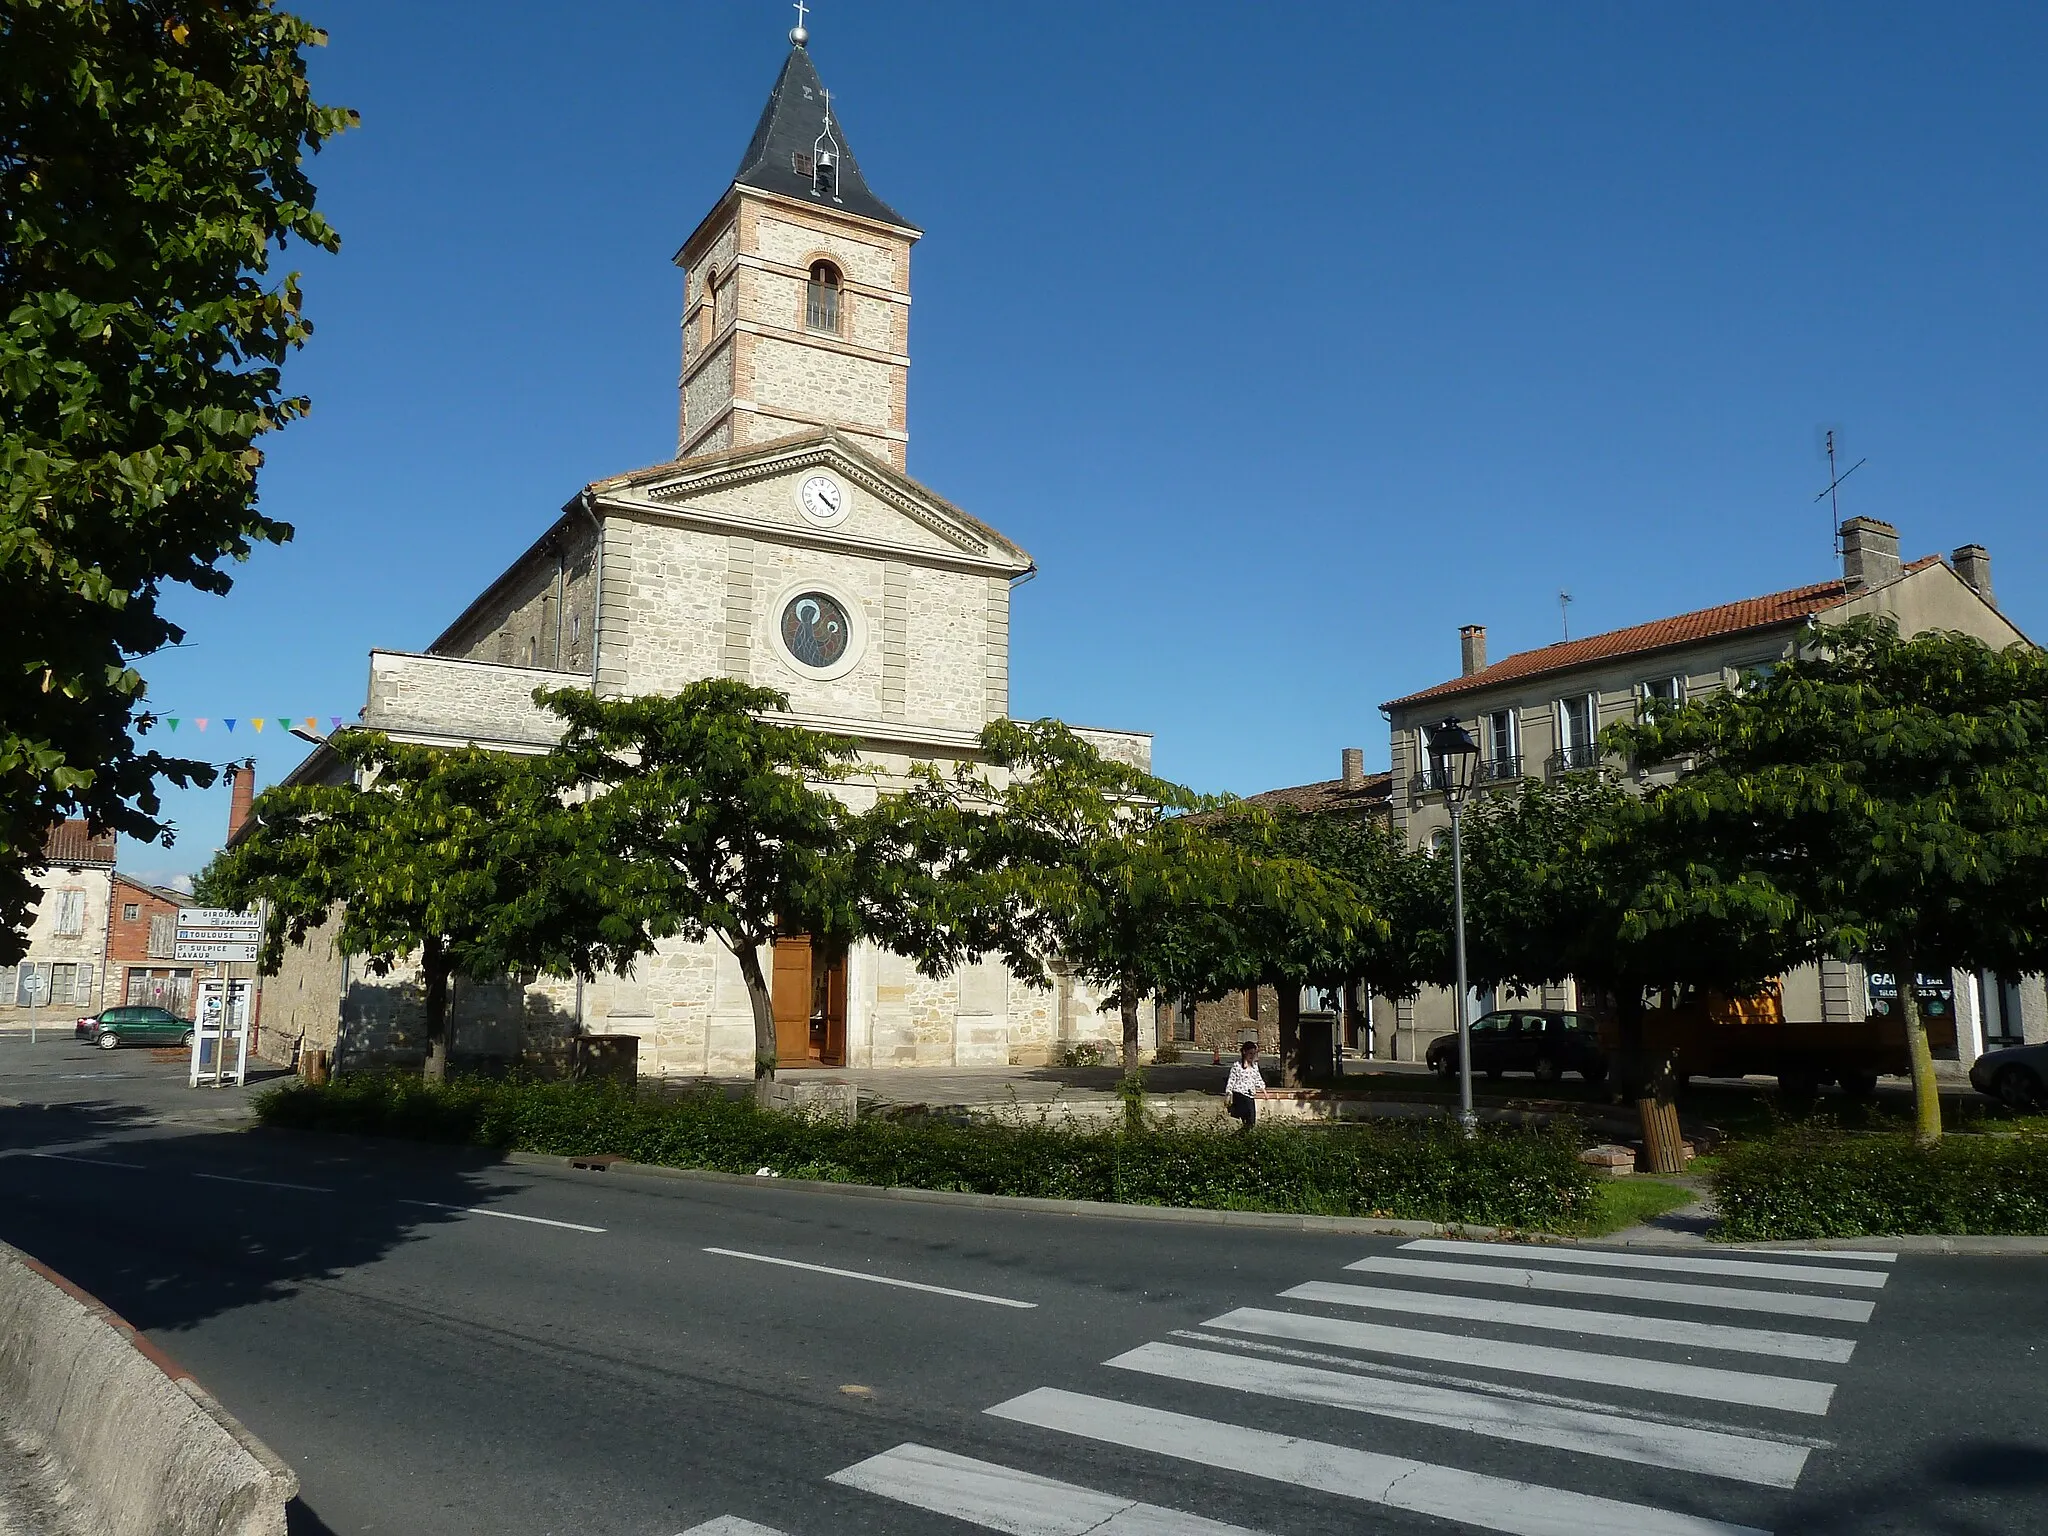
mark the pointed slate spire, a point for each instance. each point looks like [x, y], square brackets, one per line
[798, 152]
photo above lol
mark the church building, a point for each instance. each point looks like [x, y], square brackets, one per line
[785, 545]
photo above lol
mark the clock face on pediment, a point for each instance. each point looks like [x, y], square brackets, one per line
[822, 499]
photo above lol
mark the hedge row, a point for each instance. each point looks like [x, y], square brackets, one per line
[1414, 1170]
[1798, 1185]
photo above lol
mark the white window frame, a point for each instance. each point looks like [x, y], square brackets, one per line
[1566, 743]
[1514, 718]
[1676, 680]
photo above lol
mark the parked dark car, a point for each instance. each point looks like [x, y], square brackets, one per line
[1541, 1041]
[111, 1027]
[2017, 1075]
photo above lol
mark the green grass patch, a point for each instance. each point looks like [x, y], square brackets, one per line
[1505, 1177]
[1804, 1184]
[1620, 1203]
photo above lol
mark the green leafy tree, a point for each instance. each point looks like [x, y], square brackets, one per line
[1376, 921]
[719, 823]
[474, 862]
[150, 159]
[1066, 855]
[1571, 879]
[1894, 791]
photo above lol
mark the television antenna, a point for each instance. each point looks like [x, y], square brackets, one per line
[1564, 603]
[1832, 495]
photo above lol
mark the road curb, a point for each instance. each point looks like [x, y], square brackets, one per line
[1362, 1226]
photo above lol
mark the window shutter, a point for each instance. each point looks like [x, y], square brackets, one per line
[163, 935]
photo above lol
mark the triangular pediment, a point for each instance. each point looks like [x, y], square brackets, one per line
[774, 490]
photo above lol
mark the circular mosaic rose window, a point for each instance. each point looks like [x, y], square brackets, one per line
[815, 629]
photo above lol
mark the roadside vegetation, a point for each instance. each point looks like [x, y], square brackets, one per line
[1417, 1171]
[1806, 1183]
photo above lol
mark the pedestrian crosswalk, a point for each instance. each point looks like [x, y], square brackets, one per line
[1706, 1371]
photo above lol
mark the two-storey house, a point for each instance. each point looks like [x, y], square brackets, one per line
[1539, 714]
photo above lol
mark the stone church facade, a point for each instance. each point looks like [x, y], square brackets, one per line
[784, 546]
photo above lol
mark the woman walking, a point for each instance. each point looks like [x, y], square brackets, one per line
[1245, 1085]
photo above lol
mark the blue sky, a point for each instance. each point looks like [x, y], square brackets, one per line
[1287, 338]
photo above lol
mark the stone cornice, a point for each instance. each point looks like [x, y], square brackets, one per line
[823, 342]
[801, 274]
[978, 550]
[808, 538]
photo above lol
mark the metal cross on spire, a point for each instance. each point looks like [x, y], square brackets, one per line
[799, 34]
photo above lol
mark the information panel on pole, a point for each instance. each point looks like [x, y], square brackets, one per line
[220, 1037]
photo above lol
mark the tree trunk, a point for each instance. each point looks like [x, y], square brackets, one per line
[763, 1003]
[1926, 1098]
[1652, 1076]
[1127, 992]
[434, 973]
[1289, 994]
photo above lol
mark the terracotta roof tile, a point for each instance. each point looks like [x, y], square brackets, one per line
[72, 843]
[1330, 795]
[1794, 606]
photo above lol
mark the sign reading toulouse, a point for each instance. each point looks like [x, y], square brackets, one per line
[215, 933]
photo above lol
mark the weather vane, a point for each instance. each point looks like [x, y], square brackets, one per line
[798, 34]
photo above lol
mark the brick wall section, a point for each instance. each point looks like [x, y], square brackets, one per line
[128, 938]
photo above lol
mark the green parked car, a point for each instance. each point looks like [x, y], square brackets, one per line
[135, 1026]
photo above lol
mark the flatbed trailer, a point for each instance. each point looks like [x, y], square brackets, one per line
[1750, 1037]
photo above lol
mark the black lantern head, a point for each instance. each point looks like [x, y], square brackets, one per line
[1453, 757]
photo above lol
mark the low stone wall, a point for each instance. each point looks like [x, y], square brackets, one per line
[137, 1440]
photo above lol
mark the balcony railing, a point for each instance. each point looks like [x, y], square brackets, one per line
[1429, 781]
[1575, 759]
[1496, 770]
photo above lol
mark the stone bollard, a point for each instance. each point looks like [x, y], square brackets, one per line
[827, 1099]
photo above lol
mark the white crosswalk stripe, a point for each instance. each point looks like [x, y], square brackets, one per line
[1726, 1298]
[1612, 1325]
[1019, 1503]
[1609, 1258]
[731, 1525]
[1494, 1503]
[1790, 1393]
[1746, 1458]
[1250, 1362]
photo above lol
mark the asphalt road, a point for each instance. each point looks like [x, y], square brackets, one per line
[443, 1344]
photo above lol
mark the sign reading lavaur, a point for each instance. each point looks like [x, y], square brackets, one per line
[215, 933]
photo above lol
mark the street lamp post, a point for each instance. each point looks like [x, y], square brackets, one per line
[1454, 763]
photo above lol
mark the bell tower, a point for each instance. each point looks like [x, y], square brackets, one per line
[796, 302]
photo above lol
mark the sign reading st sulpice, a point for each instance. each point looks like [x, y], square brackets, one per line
[215, 933]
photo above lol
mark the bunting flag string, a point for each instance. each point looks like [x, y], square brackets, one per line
[310, 724]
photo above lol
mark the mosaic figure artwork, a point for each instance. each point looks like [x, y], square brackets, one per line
[815, 629]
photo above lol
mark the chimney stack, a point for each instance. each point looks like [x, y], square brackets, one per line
[242, 794]
[1354, 767]
[1870, 553]
[1973, 563]
[1472, 648]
